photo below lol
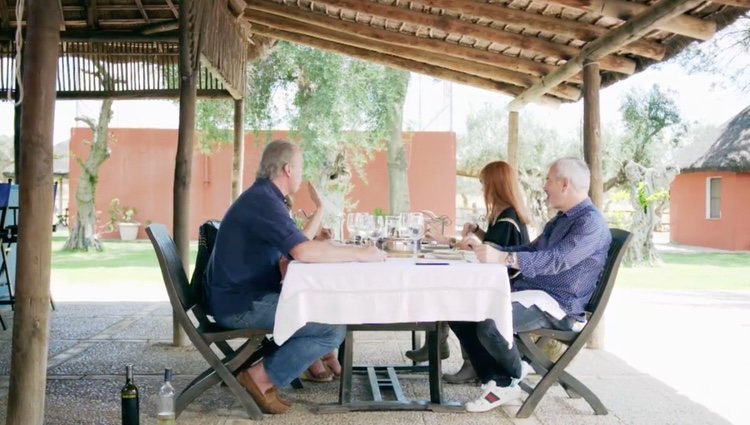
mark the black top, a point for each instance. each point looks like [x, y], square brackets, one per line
[507, 230]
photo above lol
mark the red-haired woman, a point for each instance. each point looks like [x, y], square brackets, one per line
[507, 219]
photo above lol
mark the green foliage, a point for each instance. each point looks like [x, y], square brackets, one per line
[653, 128]
[329, 102]
[119, 214]
[645, 200]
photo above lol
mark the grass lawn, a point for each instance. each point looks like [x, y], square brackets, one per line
[132, 267]
[129, 270]
[691, 271]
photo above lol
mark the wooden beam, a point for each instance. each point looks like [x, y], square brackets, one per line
[102, 36]
[160, 27]
[534, 21]
[143, 11]
[91, 13]
[4, 15]
[395, 62]
[60, 15]
[537, 69]
[624, 10]
[513, 139]
[28, 374]
[455, 64]
[745, 4]
[539, 46]
[173, 8]
[633, 29]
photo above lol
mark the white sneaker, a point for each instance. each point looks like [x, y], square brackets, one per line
[494, 396]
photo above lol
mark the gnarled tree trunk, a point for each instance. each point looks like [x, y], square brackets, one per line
[398, 181]
[83, 233]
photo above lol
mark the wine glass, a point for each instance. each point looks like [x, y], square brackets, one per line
[392, 226]
[378, 228]
[352, 226]
[415, 223]
[365, 224]
[403, 225]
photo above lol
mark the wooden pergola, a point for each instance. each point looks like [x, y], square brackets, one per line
[536, 51]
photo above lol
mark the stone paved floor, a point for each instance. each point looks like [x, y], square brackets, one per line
[91, 342]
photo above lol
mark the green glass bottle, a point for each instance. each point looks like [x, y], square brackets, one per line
[129, 398]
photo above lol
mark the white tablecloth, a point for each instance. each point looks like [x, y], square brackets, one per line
[394, 291]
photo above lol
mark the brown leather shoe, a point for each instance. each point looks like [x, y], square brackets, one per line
[268, 402]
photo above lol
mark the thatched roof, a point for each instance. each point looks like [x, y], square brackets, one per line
[512, 46]
[731, 150]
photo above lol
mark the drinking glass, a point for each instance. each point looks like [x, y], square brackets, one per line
[378, 228]
[364, 226]
[392, 226]
[416, 229]
[403, 225]
[351, 226]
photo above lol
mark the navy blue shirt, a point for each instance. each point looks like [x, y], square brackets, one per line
[255, 232]
[567, 258]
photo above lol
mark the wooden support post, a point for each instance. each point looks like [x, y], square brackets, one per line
[592, 153]
[188, 65]
[18, 111]
[238, 158]
[513, 139]
[31, 325]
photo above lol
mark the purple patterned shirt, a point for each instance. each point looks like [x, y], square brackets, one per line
[567, 258]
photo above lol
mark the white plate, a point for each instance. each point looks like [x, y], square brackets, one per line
[452, 255]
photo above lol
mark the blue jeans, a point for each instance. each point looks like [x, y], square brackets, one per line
[295, 355]
[488, 351]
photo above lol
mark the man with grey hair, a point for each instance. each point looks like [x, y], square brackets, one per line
[559, 271]
[255, 239]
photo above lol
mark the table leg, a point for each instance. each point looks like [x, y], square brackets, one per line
[436, 383]
[345, 357]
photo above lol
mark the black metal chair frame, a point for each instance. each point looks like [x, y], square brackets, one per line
[552, 372]
[202, 332]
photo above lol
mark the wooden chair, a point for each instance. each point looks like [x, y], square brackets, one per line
[202, 331]
[552, 372]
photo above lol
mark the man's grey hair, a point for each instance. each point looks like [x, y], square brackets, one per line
[575, 170]
[275, 156]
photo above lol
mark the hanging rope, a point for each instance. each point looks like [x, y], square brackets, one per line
[19, 48]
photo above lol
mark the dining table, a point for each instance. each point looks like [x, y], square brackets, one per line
[398, 293]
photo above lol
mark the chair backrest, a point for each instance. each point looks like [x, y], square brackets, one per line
[600, 297]
[206, 240]
[172, 271]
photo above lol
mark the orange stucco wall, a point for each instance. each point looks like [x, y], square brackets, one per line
[688, 222]
[140, 172]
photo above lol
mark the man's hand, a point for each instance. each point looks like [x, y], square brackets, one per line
[370, 254]
[314, 195]
[487, 254]
[283, 265]
[469, 242]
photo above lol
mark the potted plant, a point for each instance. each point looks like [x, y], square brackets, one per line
[123, 219]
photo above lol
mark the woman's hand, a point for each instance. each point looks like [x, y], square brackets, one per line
[468, 229]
